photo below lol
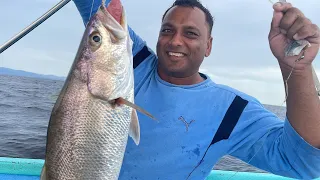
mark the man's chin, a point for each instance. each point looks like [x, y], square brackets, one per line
[174, 72]
[172, 67]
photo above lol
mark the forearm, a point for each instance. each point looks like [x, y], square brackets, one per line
[303, 104]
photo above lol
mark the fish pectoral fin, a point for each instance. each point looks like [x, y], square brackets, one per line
[43, 173]
[134, 131]
[136, 107]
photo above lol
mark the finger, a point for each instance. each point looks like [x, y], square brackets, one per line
[309, 32]
[277, 16]
[282, 6]
[297, 25]
[279, 9]
[289, 18]
[275, 23]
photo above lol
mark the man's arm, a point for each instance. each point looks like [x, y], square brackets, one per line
[84, 8]
[303, 104]
[261, 139]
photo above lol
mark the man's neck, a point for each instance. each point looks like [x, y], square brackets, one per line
[190, 80]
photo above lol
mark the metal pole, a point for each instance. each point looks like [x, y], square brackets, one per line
[33, 25]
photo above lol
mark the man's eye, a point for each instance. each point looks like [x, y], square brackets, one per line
[166, 30]
[192, 33]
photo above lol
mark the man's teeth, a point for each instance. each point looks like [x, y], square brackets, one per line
[176, 54]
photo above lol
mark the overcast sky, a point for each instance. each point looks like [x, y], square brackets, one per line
[240, 57]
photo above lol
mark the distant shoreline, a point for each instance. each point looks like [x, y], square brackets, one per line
[21, 73]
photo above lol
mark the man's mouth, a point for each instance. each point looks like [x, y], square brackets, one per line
[176, 54]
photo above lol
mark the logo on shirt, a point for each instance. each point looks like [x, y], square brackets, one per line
[185, 122]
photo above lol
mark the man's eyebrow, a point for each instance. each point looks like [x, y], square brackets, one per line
[167, 24]
[192, 27]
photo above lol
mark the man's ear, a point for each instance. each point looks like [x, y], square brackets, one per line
[209, 46]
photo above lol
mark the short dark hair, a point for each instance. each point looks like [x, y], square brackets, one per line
[193, 3]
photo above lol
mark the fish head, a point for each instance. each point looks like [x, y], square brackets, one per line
[106, 56]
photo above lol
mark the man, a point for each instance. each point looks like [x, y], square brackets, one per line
[201, 121]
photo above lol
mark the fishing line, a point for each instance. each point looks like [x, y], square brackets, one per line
[286, 81]
[287, 91]
[254, 154]
[91, 9]
[286, 86]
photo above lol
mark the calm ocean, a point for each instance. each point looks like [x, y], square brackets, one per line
[25, 107]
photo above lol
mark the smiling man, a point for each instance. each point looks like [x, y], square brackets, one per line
[183, 42]
[200, 120]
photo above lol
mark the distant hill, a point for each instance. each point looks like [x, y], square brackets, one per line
[13, 72]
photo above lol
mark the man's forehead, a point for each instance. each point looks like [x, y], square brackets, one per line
[184, 12]
[188, 17]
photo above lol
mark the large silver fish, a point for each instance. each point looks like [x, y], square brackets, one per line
[95, 111]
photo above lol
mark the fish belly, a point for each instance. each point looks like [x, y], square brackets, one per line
[86, 138]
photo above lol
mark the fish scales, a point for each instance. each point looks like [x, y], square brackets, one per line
[97, 140]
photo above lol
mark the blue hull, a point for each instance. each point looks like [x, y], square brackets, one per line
[30, 169]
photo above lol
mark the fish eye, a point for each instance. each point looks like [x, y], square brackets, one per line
[96, 38]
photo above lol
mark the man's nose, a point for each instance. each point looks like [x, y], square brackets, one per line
[176, 39]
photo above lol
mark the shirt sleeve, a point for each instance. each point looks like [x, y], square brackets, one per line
[84, 8]
[271, 144]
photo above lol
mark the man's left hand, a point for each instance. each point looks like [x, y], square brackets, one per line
[289, 23]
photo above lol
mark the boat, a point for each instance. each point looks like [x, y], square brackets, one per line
[30, 169]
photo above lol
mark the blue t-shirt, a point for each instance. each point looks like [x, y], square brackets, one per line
[181, 144]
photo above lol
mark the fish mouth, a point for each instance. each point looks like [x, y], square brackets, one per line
[118, 29]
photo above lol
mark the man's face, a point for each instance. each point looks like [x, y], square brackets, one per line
[184, 40]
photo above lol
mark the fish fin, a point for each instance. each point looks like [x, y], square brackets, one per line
[134, 131]
[136, 107]
[43, 173]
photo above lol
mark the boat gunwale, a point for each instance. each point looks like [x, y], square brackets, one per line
[33, 167]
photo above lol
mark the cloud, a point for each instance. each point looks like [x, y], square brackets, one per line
[268, 74]
[240, 56]
[267, 89]
[265, 84]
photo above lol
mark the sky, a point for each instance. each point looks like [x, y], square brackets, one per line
[240, 57]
